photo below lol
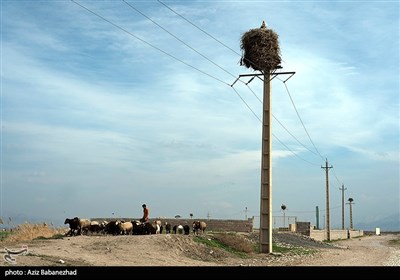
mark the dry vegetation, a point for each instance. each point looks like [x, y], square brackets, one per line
[235, 241]
[28, 232]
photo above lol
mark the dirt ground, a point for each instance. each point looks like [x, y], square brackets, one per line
[181, 250]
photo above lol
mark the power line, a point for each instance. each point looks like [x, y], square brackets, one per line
[334, 173]
[187, 64]
[298, 115]
[226, 46]
[137, 10]
[284, 82]
[172, 56]
[157, 48]
[246, 104]
[149, 44]
[294, 106]
[186, 44]
[168, 54]
[205, 32]
[298, 141]
[177, 38]
[293, 152]
[290, 150]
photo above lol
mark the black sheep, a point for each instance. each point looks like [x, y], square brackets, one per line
[74, 226]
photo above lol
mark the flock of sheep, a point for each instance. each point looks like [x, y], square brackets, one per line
[79, 226]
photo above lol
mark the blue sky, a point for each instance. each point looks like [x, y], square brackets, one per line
[96, 121]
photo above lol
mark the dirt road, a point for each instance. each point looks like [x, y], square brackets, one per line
[181, 250]
[366, 251]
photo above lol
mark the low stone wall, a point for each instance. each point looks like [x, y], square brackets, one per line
[336, 234]
[356, 233]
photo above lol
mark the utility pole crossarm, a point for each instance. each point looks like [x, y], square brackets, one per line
[261, 76]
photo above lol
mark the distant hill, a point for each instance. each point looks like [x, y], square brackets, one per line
[389, 223]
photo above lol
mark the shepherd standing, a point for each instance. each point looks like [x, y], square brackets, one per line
[145, 217]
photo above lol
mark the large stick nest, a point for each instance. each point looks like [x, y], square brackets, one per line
[261, 49]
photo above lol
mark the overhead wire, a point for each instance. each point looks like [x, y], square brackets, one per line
[302, 123]
[205, 32]
[166, 53]
[208, 34]
[281, 124]
[337, 179]
[199, 70]
[177, 38]
[159, 49]
[149, 44]
[284, 82]
[226, 46]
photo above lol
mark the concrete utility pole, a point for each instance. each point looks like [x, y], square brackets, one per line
[351, 212]
[343, 189]
[266, 160]
[328, 227]
[266, 174]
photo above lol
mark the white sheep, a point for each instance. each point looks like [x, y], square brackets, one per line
[125, 227]
[157, 225]
[84, 226]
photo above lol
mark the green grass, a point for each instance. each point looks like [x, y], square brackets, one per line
[4, 234]
[241, 247]
[218, 244]
[292, 250]
[280, 249]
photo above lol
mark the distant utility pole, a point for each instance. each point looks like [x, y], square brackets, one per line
[328, 227]
[317, 216]
[351, 212]
[343, 189]
[283, 207]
